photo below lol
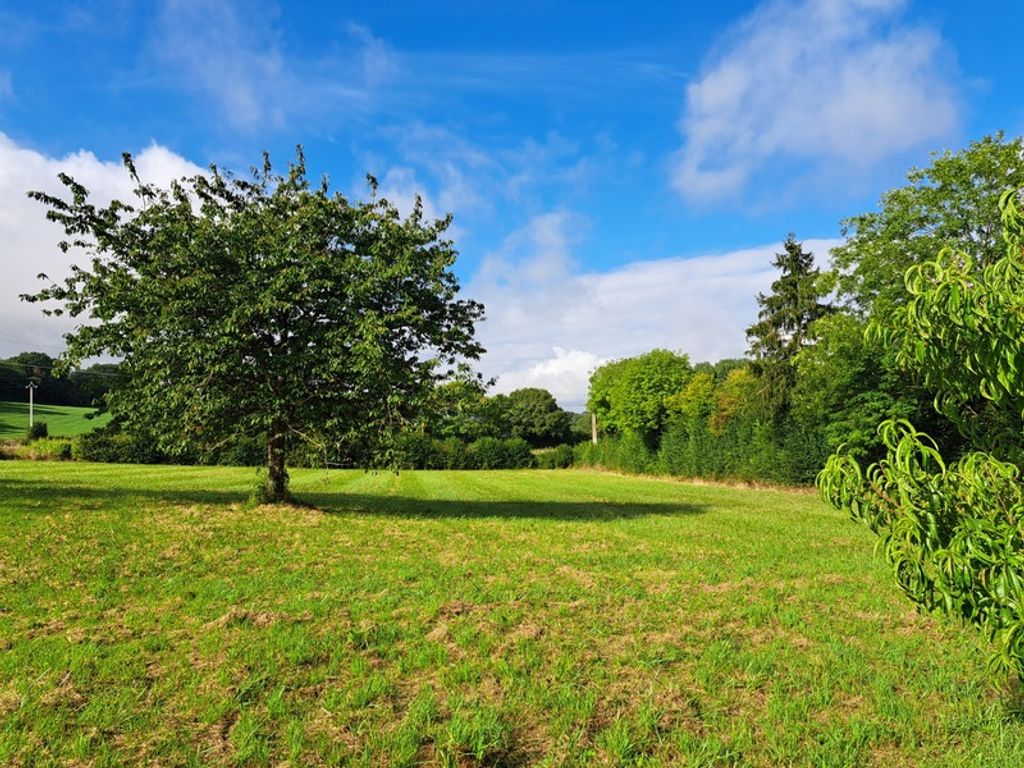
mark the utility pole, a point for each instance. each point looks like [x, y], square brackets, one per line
[31, 387]
[593, 428]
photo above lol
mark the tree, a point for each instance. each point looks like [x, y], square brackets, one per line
[535, 416]
[953, 203]
[846, 384]
[952, 531]
[783, 326]
[262, 306]
[629, 396]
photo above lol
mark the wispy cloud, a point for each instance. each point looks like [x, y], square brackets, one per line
[235, 57]
[835, 86]
[550, 322]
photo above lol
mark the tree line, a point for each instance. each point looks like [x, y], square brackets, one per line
[267, 319]
[84, 387]
[819, 373]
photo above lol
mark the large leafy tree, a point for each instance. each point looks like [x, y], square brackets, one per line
[629, 395]
[953, 203]
[264, 306]
[534, 415]
[954, 532]
[784, 322]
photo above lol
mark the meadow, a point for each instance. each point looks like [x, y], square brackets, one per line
[152, 615]
[61, 420]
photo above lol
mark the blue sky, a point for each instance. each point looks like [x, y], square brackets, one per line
[619, 173]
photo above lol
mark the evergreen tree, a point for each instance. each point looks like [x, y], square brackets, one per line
[783, 324]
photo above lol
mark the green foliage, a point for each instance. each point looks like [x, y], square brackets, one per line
[492, 453]
[962, 333]
[415, 450]
[630, 395]
[85, 387]
[262, 306]
[784, 323]
[37, 430]
[534, 416]
[953, 203]
[559, 457]
[518, 454]
[112, 444]
[487, 453]
[44, 449]
[451, 453]
[953, 534]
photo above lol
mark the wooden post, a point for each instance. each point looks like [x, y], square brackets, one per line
[593, 428]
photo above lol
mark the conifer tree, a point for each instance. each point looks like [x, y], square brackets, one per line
[783, 324]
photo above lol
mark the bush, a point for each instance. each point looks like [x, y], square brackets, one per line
[451, 453]
[414, 450]
[38, 431]
[113, 445]
[487, 453]
[44, 449]
[633, 455]
[518, 454]
[559, 457]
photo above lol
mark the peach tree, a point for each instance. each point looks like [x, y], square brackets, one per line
[953, 532]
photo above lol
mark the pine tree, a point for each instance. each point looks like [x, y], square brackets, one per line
[783, 326]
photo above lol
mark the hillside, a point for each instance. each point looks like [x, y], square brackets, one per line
[61, 420]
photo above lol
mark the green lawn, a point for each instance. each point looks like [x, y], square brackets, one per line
[148, 615]
[61, 420]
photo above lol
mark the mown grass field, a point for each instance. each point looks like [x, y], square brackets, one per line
[149, 615]
[61, 420]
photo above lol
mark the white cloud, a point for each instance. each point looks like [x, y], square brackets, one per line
[28, 242]
[835, 85]
[549, 325]
[232, 54]
[565, 375]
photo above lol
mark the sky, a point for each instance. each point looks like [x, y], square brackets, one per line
[620, 175]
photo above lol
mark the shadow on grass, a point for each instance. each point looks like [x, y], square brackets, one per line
[19, 495]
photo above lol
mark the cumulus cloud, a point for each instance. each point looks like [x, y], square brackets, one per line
[28, 242]
[550, 324]
[835, 85]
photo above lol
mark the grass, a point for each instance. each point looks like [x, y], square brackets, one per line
[61, 420]
[149, 615]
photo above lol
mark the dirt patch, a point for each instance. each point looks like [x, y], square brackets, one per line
[9, 701]
[239, 616]
[582, 578]
[64, 694]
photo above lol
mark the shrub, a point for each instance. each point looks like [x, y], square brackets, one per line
[44, 449]
[559, 457]
[518, 454]
[451, 453]
[113, 445]
[38, 431]
[633, 455]
[414, 450]
[487, 453]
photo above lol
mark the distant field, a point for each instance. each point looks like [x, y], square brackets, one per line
[61, 420]
[150, 616]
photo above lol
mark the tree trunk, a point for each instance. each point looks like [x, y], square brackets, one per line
[277, 476]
